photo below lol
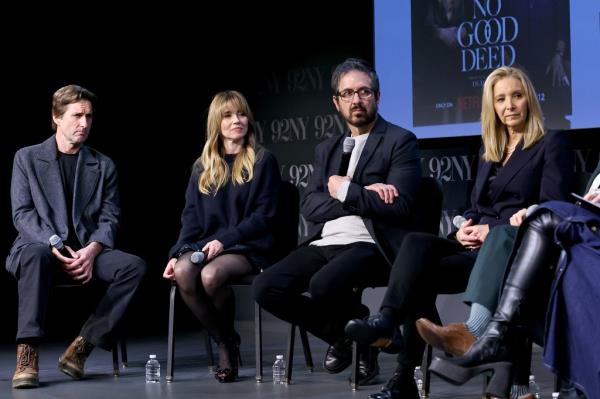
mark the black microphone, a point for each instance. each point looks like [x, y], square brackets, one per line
[198, 257]
[458, 221]
[346, 153]
[57, 243]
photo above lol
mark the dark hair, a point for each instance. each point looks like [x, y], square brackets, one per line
[353, 64]
[69, 95]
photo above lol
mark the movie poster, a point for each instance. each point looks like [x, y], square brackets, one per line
[457, 43]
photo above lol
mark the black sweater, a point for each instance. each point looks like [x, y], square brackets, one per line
[239, 216]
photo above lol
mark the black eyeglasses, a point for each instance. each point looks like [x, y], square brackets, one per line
[363, 93]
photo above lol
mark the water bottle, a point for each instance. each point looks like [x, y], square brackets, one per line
[534, 388]
[555, 395]
[278, 370]
[418, 374]
[152, 370]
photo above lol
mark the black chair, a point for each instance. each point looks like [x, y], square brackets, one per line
[429, 211]
[122, 343]
[286, 239]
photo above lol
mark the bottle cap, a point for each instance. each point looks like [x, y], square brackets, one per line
[531, 377]
[279, 357]
[152, 356]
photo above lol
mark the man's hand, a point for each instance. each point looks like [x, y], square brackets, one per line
[80, 269]
[212, 249]
[387, 192]
[334, 183]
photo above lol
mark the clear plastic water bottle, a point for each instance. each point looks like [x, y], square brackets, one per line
[418, 374]
[555, 395]
[279, 370]
[534, 388]
[152, 370]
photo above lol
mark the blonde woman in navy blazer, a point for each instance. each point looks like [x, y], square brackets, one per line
[520, 165]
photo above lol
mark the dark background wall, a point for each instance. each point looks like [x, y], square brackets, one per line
[155, 73]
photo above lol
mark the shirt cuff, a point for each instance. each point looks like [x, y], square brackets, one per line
[342, 192]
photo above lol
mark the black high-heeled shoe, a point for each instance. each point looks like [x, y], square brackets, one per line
[230, 374]
[492, 353]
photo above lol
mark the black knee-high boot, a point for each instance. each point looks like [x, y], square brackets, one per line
[536, 253]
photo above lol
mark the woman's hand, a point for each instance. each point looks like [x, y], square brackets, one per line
[517, 218]
[169, 272]
[212, 249]
[593, 196]
[472, 236]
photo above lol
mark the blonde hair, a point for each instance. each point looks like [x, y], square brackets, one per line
[494, 132]
[215, 171]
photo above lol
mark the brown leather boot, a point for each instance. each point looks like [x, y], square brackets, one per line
[455, 338]
[73, 360]
[27, 370]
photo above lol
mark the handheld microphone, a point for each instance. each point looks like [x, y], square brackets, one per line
[458, 221]
[198, 257]
[346, 153]
[57, 243]
[530, 210]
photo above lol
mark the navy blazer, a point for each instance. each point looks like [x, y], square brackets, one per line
[38, 200]
[390, 156]
[540, 173]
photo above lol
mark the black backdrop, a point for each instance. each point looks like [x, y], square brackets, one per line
[155, 72]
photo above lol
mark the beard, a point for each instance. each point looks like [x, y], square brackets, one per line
[365, 118]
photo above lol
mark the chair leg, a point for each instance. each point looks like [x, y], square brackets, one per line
[290, 354]
[209, 351]
[123, 344]
[354, 375]
[427, 373]
[306, 349]
[258, 341]
[115, 357]
[171, 338]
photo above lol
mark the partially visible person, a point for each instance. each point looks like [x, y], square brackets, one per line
[557, 249]
[230, 207]
[63, 187]
[356, 221]
[521, 164]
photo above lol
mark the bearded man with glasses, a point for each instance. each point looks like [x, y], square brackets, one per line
[357, 215]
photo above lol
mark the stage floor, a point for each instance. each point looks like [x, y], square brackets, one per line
[193, 378]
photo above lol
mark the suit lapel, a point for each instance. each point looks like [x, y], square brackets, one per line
[517, 161]
[47, 168]
[483, 173]
[86, 181]
[370, 146]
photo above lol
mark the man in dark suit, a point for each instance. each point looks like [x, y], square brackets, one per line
[355, 221]
[62, 187]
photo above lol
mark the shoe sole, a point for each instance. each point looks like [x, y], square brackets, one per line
[25, 383]
[68, 370]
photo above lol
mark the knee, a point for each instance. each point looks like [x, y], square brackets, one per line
[211, 280]
[136, 267]
[36, 257]
[186, 279]
[261, 288]
[544, 221]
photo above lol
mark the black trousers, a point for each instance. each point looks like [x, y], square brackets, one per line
[330, 275]
[426, 265]
[37, 272]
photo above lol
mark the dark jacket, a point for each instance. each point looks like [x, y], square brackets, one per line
[239, 216]
[540, 173]
[390, 156]
[39, 208]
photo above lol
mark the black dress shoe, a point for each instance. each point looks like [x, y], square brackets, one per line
[400, 386]
[368, 366]
[338, 356]
[376, 331]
